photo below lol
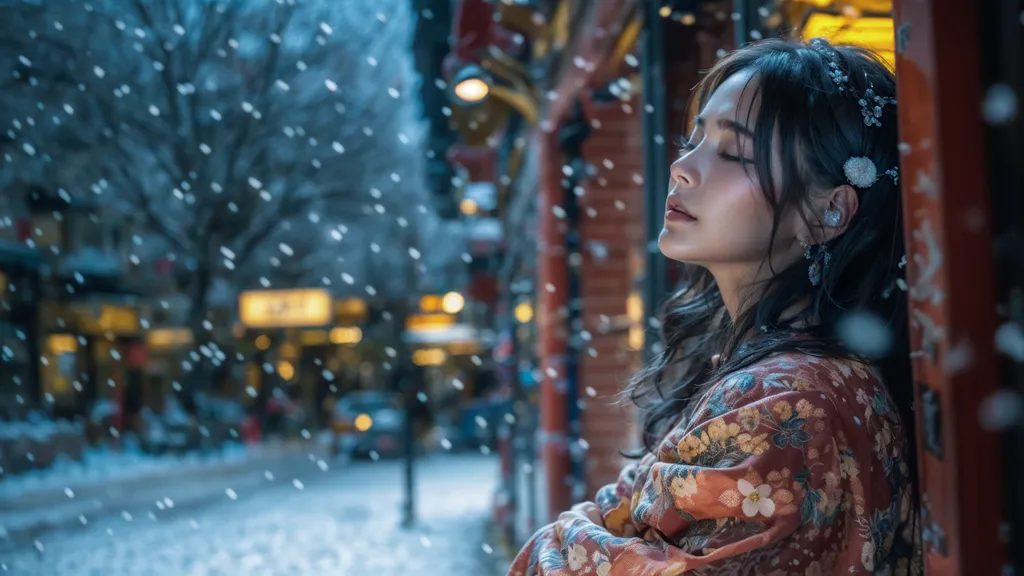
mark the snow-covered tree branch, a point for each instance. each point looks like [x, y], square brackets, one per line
[229, 128]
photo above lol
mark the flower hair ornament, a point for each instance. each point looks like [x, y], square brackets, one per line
[871, 104]
[861, 172]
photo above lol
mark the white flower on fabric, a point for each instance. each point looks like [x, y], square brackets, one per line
[577, 556]
[860, 171]
[756, 500]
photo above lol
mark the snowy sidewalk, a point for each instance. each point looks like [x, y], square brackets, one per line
[345, 521]
[102, 468]
[73, 491]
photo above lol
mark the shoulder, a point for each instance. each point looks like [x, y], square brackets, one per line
[831, 383]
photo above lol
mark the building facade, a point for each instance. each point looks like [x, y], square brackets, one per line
[577, 105]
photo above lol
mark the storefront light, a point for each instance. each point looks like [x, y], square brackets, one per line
[262, 342]
[469, 207]
[453, 302]
[346, 335]
[429, 357]
[523, 312]
[286, 370]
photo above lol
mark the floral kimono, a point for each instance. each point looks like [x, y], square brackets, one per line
[795, 465]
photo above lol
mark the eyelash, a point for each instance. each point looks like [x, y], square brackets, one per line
[684, 145]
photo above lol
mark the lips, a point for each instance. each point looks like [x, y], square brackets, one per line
[676, 207]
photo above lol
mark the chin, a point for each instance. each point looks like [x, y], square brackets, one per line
[672, 249]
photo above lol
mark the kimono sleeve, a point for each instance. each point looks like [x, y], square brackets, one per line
[736, 485]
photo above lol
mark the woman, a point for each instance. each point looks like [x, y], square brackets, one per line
[778, 414]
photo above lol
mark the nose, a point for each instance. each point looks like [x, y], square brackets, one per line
[683, 173]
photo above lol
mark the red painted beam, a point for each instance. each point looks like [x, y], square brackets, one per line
[951, 279]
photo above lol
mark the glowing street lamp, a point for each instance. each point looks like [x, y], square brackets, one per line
[471, 85]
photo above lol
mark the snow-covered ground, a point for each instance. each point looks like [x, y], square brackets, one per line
[341, 520]
[37, 429]
[104, 466]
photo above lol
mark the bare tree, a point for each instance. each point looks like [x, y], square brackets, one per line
[221, 124]
[236, 132]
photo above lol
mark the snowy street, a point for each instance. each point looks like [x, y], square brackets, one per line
[296, 515]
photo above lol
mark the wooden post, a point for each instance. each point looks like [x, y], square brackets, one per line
[553, 292]
[950, 281]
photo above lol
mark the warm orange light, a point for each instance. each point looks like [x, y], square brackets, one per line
[523, 312]
[363, 422]
[346, 335]
[262, 342]
[426, 322]
[468, 207]
[472, 90]
[286, 370]
[429, 357]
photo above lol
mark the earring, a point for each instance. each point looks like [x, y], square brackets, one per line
[820, 258]
[833, 218]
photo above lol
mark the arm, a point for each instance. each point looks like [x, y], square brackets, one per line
[734, 486]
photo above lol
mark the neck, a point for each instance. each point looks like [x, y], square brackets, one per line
[742, 291]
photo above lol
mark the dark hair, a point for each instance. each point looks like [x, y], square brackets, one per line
[818, 127]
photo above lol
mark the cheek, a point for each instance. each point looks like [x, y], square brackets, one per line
[739, 210]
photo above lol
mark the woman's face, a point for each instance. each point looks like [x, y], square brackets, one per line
[716, 215]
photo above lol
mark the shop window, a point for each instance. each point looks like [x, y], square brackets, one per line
[48, 230]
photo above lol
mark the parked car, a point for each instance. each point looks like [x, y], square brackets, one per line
[368, 421]
[173, 430]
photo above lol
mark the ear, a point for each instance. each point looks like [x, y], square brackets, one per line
[822, 222]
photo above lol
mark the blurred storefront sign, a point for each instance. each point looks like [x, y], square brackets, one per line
[350, 310]
[346, 335]
[443, 335]
[101, 318]
[429, 322]
[875, 33]
[162, 339]
[285, 308]
[429, 357]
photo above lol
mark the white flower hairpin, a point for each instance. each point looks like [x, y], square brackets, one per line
[861, 172]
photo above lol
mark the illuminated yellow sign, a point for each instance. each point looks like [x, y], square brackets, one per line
[425, 322]
[874, 33]
[285, 308]
[168, 338]
[354, 308]
[463, 348]
[431, 303]
[313, 337]
[61, 344]
[429, 357]
[115, 319]
[346, 335]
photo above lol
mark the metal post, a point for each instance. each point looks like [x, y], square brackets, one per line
[655, 125]
[409, 448]
[572, 136]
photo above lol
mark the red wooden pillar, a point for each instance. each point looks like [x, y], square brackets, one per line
[950, 280]
[553, 292]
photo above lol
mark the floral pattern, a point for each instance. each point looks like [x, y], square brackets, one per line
[797, 465]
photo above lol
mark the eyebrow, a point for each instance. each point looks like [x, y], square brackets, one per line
[726, 124]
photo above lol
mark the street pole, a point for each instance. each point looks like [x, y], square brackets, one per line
[406, 382]
[656, 183]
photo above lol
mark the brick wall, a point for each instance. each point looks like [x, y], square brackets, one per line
[613, 237]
